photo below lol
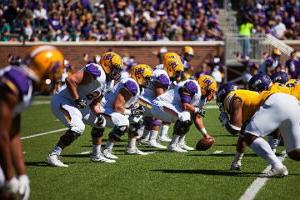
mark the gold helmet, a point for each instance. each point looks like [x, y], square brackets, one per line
[173, 65]
[207, 84]
[112, 64]
[45, 62]
[142, 74]
[276, 52]
[188, 50]
[292, 82]
[170, 55]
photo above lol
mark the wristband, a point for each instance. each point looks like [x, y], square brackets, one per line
[203, 131]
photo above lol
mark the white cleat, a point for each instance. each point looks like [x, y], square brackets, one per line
[108, 154]
[100, 158]
[276, 172]
[236, 166]
[154, 143]
[165, 139]
[135, 151]
[186, 147]
[176, 148]
[144, 142]
[53, 160]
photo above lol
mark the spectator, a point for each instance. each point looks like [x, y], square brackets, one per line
[279, 28]
[293, 65]
[245, 33]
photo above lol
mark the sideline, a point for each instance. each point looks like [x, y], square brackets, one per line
[44, 133]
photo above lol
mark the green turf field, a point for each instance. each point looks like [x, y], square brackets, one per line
[163, 175]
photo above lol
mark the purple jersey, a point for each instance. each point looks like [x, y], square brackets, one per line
[17, 80]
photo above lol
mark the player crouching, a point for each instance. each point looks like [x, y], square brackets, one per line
[120, 113]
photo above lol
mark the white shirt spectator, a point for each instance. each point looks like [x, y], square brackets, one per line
[40, 13]
[278, 30]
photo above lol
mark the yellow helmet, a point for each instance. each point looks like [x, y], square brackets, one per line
[188, 50]
[292, 82]
[112, 64]
[45, 62]
[142, 74]
[276, 51]
[170, 55]
[174, 67]
[207, 84]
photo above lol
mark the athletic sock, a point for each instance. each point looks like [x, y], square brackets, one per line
[238, 156]
[132, 142]
[140, 131]
[96, 149]
[153, 135]
[146, 135]
[56, 150]
[181, 140]
[109, 145]
[263, 149]
[164, 130]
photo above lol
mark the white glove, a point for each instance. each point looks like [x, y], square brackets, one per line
[223, 118]
[24, 189]
[12, 185]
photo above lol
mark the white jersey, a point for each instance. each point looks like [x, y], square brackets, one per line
[88, 91]
[128, 83]
[174, 97]
[159, 75]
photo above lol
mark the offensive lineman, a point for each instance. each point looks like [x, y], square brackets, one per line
[77, 104]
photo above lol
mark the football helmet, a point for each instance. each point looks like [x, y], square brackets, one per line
[259, 82]
[45, 62]
[292, 82]
[276, 52]
[223, 91]
[142, 74]
[188, 50]
[173, 66]
[112, 64]
[207, 84]
[280, 77]
[170, 55]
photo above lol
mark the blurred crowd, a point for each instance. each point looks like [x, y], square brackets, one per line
[281, 18]
[57, 20]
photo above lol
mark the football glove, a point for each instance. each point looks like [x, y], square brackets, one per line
[24, 189]
[80, 103]
[137, 111]
[200, 111]
[224, 118]
[12, 186]
[100, 120]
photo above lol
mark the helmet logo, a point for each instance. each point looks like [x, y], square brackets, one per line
[108, 57]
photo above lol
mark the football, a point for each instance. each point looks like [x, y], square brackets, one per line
[205, 143]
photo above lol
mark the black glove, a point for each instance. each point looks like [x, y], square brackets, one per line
[137, 111]
[100, 121]
[80, 103]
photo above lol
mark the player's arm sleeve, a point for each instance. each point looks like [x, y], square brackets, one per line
[235, 123]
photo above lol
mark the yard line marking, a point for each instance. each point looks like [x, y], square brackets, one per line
[259, 182]
[218, 152]
[44, 133]
[35, 103]
[85, 153]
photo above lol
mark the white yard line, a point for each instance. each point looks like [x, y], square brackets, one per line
[44, 133]
[211, 107]
[258, 183]
[35, 103]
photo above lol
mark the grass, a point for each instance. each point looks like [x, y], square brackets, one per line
[163, 175]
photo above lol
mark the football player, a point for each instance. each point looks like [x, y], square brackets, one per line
[177, 105]
[121, 112]
[280, 77]
[17, 86]
[78, 102]
[254, 115]
[187, 56]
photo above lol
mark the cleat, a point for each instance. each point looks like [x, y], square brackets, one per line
[236, 166]
[165, 139]
[276, 172]
[155, 144]
[136, 151]
[53, 160]
[100, 158]
[145, 142]
[186, 147]
[176, 148]
[108, 154]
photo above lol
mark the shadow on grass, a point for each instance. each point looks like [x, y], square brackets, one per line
[225, 145]
[222, 155]
[208, 172]
[42, 164]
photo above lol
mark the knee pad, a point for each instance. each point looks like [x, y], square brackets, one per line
[78, 128]
[182, 127]
[117, 132]
[97, 132]
[69, 137]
